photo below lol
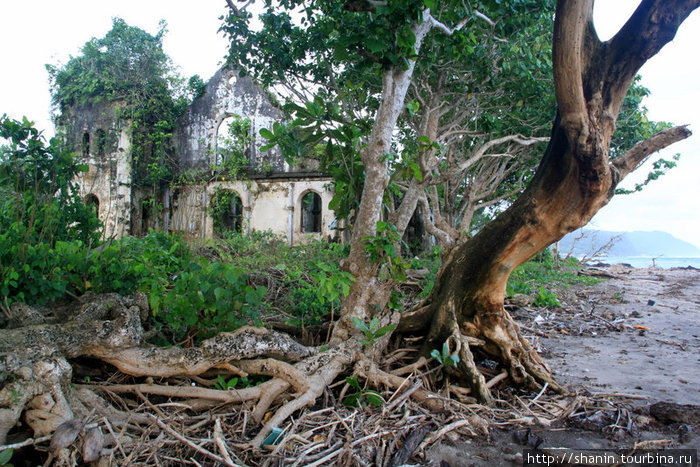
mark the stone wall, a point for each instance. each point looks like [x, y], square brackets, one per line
[288, 201]
[267, 205]
[226, 94]
[102, 142]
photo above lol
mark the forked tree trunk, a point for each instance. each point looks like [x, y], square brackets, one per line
[574, 180]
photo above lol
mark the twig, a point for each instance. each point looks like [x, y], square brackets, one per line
[422, 361]
[405, 395]
[497, 379]
[239, 395]
[443, 431]
[534, 331]
[189, 443]
[544, 388]
[219, 440]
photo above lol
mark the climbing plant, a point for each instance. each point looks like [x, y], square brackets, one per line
[128, 66]
[226, 210]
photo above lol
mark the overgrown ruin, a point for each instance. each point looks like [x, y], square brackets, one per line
[268, 194]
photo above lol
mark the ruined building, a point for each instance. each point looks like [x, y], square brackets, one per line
[205, 200]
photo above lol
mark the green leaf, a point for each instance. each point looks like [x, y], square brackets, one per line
[384, 330]
[267, 134]
[5, 456]
[374, 398]
[359, 324]
[353, 382]
[351, 401]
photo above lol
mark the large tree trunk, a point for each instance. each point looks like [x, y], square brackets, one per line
[574, 180]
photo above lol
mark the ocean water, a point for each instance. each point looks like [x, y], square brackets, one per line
[648, 261]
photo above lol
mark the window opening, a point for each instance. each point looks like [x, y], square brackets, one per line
[311, 211]
[86, 144]
[227, 213]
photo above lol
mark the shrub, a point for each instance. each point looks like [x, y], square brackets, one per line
[208, 298]
[44, 224]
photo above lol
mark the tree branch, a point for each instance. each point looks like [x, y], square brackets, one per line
[653, 24]
[567, 58]
[481, 152]
[235, 10]
[450, 31]
[631, 159]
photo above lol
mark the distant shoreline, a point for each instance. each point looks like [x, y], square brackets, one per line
[661, 262]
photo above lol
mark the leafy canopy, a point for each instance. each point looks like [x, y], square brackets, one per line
[129, 68]
[494, 78]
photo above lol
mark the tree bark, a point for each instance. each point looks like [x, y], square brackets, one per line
[368, 293]
[574, 180]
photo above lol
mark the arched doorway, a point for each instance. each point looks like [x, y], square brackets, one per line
[311, 213]
[227, 212]
[91, 200]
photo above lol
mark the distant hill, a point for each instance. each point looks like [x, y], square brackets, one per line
[627, 244]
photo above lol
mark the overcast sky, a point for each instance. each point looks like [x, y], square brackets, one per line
[49, 31]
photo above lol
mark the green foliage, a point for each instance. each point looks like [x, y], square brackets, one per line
[546, 298]
[124, 65]
[432, 262]
[238, 383]
[196, 87]
[373, 331]
[361, 397]
[541, 274]
[133, 264]
[659, 168]
[330, 56]
[40, 211]
[5, 457]
[208, 298]
[633, 124]
[129, 66]
[231, 147]
[309, 274]
[317, 290]
[444, 357]
[382, 248]
[226, 210]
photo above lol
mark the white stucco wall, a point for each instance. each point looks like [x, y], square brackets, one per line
[267, 206]
[109, 179]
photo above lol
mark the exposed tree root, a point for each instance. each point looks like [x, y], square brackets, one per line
[38, 377]
[524, 365]
[244, 343]
[318, 382]
[377, 377]
[496, 334]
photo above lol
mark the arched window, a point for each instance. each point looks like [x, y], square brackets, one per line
[85, 146]
[227, 212]
[92, 200]
[101, 141]
[311, 211]
[146, 208]
[233, 140]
